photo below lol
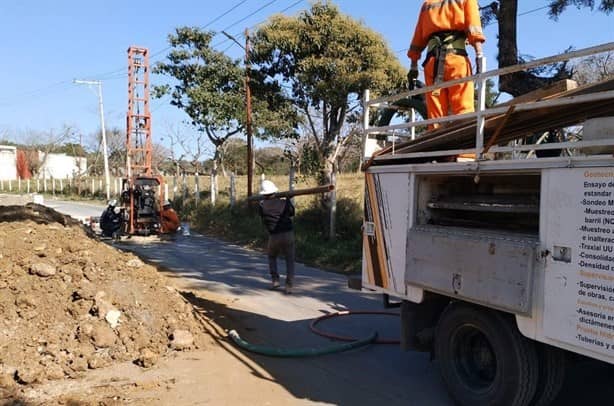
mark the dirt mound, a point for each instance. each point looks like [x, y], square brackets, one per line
[69, 303]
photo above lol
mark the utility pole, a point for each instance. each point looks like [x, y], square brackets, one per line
[248, 111]
[248, 119]
[105, 153]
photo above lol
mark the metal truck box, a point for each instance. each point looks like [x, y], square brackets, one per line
[480, 266]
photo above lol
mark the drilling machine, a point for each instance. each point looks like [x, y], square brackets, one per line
[142, 190]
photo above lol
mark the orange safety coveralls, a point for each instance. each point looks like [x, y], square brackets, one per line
[169, 220]
[440, 16]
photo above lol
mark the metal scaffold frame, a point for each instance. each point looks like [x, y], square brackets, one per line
[138, 118]
[142, 187]
[482, 113]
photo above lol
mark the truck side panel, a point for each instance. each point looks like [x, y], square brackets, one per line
[387, 205]
[578, 284]
[482, 267]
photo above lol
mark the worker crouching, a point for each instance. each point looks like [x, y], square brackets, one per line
[169, 220]
[111, 220]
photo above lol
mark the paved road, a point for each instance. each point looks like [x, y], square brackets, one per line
[230, 286]
[378, 374]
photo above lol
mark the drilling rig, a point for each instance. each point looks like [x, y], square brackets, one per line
[142, 189]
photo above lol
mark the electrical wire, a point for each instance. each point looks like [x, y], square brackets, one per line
[242, 35]
[122, 72]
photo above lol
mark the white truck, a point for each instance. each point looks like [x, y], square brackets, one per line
[504, 262]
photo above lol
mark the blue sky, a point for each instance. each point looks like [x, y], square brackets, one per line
[47, 44]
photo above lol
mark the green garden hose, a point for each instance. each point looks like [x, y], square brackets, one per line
[298, 352]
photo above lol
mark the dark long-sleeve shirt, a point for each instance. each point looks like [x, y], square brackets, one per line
[276, 215]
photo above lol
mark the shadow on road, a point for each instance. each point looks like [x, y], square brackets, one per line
[371, 375]
[355, 377]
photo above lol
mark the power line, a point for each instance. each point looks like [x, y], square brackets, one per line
[203, 27]
[249, 15]
[532, 11]
[111, 75]
[242, 35]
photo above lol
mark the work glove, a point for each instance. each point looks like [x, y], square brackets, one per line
[412, 78]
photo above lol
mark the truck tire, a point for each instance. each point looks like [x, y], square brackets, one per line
[552, 365]
[484, 360]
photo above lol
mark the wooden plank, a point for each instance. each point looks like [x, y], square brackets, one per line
[544, 93]
[519, 124]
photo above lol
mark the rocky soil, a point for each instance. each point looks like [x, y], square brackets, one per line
[70, 304]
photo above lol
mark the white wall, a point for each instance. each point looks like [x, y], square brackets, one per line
[61, 166]
[8, 162]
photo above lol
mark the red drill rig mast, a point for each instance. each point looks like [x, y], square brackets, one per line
[142, 189]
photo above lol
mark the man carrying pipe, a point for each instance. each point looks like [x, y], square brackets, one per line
[276, 210]
[276, 214]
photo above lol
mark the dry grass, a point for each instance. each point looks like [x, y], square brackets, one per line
[240, 225]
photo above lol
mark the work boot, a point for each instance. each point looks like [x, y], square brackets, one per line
[288, 289]
[275, 284]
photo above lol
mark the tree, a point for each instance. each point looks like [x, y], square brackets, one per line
[210, 88]
[594, 68]
[235, 151]
[505, 12]
[325, 60]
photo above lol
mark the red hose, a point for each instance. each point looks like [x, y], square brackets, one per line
[312, 325]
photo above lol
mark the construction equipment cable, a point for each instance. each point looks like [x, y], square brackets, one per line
[299, 352]
[313, 328]
[350, 342]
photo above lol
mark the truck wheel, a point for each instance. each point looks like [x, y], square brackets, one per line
[552, 365]
[484, 359]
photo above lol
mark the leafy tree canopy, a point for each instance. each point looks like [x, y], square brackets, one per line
[324, 60]
[557, 7]
[208, 84]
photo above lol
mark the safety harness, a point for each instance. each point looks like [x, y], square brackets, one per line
[442, 44]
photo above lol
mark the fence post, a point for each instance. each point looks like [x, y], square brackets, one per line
[291, 183]
[213, 189]
[93, 183]
[333, 205]
[28, 186]
[233, 189]
[61, 186]
[184, 185]
[38, 186]
[53, 186]
[174, 185]
[19, 184]
[10, 185]
[2, 184]
[196, 188]
[45, 185]
[166, 191]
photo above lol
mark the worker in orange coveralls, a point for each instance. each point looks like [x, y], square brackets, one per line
[168, 219]
[443, 28]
